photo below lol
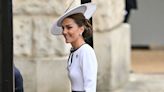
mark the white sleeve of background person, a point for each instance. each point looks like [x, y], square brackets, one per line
[89, 69]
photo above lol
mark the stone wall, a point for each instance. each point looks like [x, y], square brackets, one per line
[41, 57]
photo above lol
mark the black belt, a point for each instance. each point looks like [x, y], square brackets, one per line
[78, 91]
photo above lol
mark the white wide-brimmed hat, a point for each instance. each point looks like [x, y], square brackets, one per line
[87, 9]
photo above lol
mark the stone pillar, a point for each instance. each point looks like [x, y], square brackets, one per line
[113, 53]
[112, 45]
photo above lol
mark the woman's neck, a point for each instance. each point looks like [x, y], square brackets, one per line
[76, 44]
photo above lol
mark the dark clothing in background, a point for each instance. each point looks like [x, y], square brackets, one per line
[129, 5]
[18, 80]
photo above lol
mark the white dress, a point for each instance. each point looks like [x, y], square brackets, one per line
[82, 69]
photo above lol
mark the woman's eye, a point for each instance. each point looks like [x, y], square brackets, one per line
[62, 27]
[69, 27]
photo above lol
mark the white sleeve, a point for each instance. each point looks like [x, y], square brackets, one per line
[89, 70]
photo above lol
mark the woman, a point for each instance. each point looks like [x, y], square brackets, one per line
[82, 62]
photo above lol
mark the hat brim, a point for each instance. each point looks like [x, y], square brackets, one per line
[86, 9]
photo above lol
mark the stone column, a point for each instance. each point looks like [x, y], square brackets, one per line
[113, 53]
[112, 45]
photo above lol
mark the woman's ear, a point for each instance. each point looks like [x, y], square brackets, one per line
[81, 29]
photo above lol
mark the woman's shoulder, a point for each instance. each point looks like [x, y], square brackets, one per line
[86, 48]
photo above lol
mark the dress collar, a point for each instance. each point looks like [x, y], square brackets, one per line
[73, 50]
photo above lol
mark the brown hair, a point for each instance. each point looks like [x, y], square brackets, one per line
[80, 20]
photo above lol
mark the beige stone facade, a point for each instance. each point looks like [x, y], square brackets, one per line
[41, 57]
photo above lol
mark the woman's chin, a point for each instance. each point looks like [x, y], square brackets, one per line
[67, 41]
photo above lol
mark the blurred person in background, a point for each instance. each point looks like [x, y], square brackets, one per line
[18, 80]
[129, 5]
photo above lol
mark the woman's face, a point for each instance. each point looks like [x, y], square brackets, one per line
[71, 31]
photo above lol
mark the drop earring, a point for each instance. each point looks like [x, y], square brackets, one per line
[81, 34]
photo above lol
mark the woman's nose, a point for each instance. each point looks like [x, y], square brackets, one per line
[64, 31]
